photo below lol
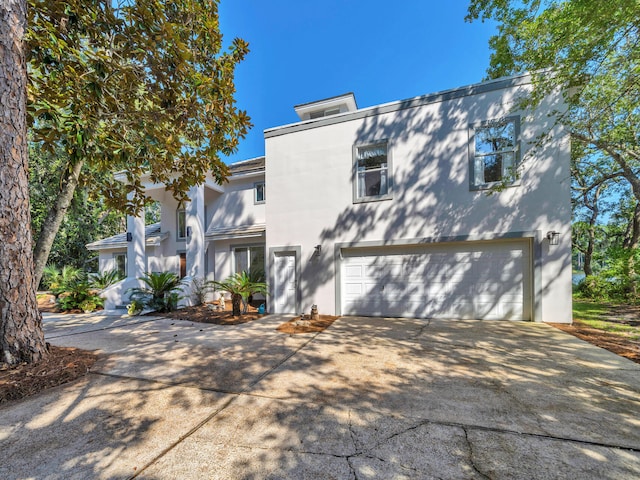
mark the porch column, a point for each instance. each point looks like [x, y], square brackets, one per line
[136, 259]
[194, 212]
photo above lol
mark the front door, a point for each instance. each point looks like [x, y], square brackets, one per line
[285, 278]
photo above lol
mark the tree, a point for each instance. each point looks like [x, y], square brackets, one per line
[241, 286]
[139, 86]
[590, 50]
[21, 336]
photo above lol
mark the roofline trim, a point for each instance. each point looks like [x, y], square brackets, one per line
[473, 89]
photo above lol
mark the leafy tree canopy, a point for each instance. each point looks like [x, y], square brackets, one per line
[590, 46]
[140, 86]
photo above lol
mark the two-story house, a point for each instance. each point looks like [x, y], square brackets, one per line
[449, 205]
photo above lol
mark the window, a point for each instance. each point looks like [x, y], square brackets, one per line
[181, 224]
[120, 260]
[494, 153]
[372, 172]
[249, 259]
[259, 192]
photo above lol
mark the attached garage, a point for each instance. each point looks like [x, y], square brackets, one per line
[469, 280]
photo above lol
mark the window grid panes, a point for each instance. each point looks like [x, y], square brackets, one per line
[250, 260]
[121, 264]
[181, 224]
[260, 196]
[495, 152]
[372, 169]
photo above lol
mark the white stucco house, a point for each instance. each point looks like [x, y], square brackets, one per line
[389, 210]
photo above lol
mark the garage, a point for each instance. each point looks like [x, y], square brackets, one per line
[460, 280]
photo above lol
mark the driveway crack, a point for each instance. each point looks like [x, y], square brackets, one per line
[471, 455]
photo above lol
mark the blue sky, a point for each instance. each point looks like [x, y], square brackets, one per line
[382, 51]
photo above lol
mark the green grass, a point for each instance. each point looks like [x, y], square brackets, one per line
[604, 316]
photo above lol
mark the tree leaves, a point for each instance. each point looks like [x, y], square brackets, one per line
[143, 86]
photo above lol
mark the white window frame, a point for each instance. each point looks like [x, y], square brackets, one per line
[385, 171]
[509, 174]
[248, 248]
[183, 212]
[115, 262]
[255, 193]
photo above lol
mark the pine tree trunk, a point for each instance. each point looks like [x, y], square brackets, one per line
[54, 218]
[21, 336]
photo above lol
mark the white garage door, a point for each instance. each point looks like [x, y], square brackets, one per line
[483, 280]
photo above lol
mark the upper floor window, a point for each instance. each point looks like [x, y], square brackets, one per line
[494, 153]
[259, 192]
[372, 165]
[181, 224]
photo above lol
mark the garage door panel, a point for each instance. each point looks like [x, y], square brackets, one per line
[464, 280]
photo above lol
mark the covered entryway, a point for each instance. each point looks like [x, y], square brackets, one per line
[481, 280]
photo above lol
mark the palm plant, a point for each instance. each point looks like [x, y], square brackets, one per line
[60, 280]
[105, 279]
[160, 292]
[241, 286]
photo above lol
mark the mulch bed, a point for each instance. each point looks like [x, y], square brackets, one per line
[62, 365]
[625, 347]
[298, 325]
[204, 314]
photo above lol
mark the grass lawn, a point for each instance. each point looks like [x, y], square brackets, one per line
[623, 320]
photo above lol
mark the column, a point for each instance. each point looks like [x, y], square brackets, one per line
[194, 211]
[136, 259]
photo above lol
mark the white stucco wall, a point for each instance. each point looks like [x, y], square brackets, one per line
[310, 199]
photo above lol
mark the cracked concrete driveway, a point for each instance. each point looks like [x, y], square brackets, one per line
[366, 398]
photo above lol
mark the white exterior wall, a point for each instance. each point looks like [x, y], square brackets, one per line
[236, 206]
[310, 193]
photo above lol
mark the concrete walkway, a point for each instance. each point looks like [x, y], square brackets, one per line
[367, 398]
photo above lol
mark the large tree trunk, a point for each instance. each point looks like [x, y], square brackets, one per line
[52, 223]
[21, 336]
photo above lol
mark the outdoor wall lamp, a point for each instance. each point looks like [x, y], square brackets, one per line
[316, 250]
[129, 237]
[553, 237]
[189, 232]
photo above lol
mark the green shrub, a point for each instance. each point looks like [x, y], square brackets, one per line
[105, 279]
[160, 293]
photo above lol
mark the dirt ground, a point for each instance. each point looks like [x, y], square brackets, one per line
[66, 364]
[617, 343]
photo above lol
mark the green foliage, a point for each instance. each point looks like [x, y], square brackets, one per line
[135, 307]
[616, 280]
[87, 219]
[143, 86]
[59, 281]
[241, 286]
[78, 294]
[161, 291]
[105, 279]
[199, 290]
[603, 316]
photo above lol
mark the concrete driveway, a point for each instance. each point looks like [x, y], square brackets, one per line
[366, 398]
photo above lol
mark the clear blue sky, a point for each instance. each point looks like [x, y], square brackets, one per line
[382, 51]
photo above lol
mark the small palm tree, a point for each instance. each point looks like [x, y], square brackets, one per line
[60, 280]
[160, 292]
[240, 286]
[105, 279]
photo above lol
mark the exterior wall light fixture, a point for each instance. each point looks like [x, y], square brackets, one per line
[188, 232]
[553, 237]
[316, 250]
[129, 237]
